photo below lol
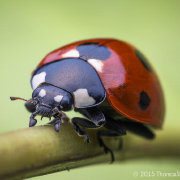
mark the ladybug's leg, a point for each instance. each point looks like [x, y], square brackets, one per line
[94, 114]
[64, 118]
[115, 129]
[88, 124]
[101, 143]
[97, 120]
[58, 117]
[32, 121]
[57, 123]
[61, 114]
[84, 123]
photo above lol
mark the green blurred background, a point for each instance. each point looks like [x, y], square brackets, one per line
[31, 29]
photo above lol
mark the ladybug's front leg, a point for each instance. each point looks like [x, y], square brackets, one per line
[57, 123]
[32, 121]
[59, 116]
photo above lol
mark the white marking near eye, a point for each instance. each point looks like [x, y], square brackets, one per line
[71, 53]
[82, 98]
[42, 93]
[96, 63]
[58, 98]
[38, 79]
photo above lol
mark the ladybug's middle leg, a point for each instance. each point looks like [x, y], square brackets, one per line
[88, 124]
[97, 119]
[84, 123]
[93, 114]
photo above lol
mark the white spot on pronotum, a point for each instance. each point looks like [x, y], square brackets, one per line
[71, 53]
[42, 93]
[82, 98]
[38, 79]
[96, 63]
[58, 98]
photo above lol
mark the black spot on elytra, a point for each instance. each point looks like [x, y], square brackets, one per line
[143, 60]
[93, 51]
[144, 100]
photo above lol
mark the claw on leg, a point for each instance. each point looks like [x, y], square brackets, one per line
[57, 125]
[80, 131]
[32, 122]
[57, 121]
[106, 149]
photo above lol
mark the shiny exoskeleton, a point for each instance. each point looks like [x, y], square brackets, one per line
[108, 81]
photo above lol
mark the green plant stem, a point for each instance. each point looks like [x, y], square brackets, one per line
[40, 150]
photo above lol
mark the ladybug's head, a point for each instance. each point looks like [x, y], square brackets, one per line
[48, 99]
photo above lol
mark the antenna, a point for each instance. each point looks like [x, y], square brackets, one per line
[18, 98]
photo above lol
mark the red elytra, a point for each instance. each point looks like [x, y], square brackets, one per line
[124, 77]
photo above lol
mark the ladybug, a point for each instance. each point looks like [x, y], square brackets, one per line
[108, 81]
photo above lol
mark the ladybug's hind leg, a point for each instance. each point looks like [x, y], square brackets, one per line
[115, 129]
[101, 142]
